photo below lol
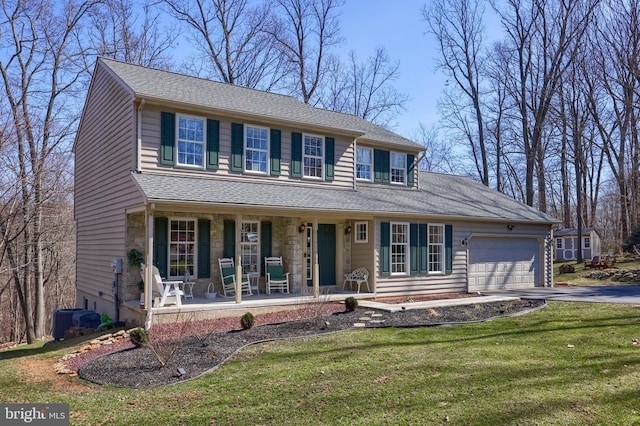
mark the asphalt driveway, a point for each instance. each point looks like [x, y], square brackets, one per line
[602, 294]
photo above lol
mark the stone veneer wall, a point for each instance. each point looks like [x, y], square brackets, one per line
[286, 242]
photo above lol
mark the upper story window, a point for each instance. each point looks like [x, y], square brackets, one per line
[182, 247]
[398, 167]
[313, 156]
[364, 163]
[191, 139]
[559, 243]
[256, 148]
[399, 248]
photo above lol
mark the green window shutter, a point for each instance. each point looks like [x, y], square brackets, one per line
[167, 138]
[161, 245]
[296, 155]
[385, 248]
[329, 158]
[237, 147]
[448, 249]
[276, 153]
[413, 249]
[204, 248]
[265, 243]
[423, 249]
[229, 234]
[381, 166]
[410, 170]
[213, 143]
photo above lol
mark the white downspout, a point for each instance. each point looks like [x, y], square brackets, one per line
[139, 139]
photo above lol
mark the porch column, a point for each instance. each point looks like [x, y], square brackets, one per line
[239, 259]
[148, 271]
[316, 262]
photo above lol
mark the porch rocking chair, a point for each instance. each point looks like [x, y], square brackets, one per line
[228, 276]
[277, 279]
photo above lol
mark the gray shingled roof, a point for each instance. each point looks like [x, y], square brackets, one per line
[442, 196]
[571, 231]
[201, 93]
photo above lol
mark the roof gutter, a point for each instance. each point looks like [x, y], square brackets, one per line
[242, 115]
[291, 212]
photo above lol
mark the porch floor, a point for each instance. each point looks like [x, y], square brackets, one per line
[254, 301]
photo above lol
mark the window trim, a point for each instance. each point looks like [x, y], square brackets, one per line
[403, 169]
[407, 249]
[245, 149]
[202, 165]
[194, 275]
[370, 164]
[322, 156]
[356, 233]
[443, 246]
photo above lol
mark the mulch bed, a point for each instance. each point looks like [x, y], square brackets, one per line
[208, 346]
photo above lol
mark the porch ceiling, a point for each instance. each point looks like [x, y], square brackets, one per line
[444, 196]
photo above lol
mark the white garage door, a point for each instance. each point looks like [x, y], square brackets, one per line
[503, 263]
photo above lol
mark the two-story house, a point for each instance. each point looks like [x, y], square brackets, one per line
[188, 171]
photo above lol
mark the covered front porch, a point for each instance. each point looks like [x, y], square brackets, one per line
[200, 308]
[183, 241]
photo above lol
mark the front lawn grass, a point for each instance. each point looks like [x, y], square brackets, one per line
[570, 363]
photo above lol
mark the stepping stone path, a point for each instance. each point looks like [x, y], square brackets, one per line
[369, 319]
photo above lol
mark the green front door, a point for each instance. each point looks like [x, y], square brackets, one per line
[327, 253]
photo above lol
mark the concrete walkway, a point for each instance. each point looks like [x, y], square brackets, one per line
[629, 294]
[395, 307]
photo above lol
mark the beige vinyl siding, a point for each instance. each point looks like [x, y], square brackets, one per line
[424, 283]
[457, 280]
[104, 157]
[362, 253]
[151, 149]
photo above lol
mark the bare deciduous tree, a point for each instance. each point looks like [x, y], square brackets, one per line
[231, 38]
[543, 37]
[305, 32]
[115, 32]
[39, 70]
[458, 29]
[365, 89]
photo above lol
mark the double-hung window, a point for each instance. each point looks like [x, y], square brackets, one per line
[256, 149]
[249, 246]
[436, 248]
[364, 163]
[182, 247]
[191, 137]
[398, 167]
[559, 243]
[313, 156]
[586, 242]
[399, 248]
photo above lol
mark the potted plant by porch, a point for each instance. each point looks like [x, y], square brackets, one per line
[136, 258]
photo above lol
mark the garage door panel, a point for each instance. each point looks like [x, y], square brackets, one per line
[502, 263]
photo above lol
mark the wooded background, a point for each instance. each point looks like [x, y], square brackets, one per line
[544, 107]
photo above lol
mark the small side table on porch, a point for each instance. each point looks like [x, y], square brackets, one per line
[187, 288]
[254, 281]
